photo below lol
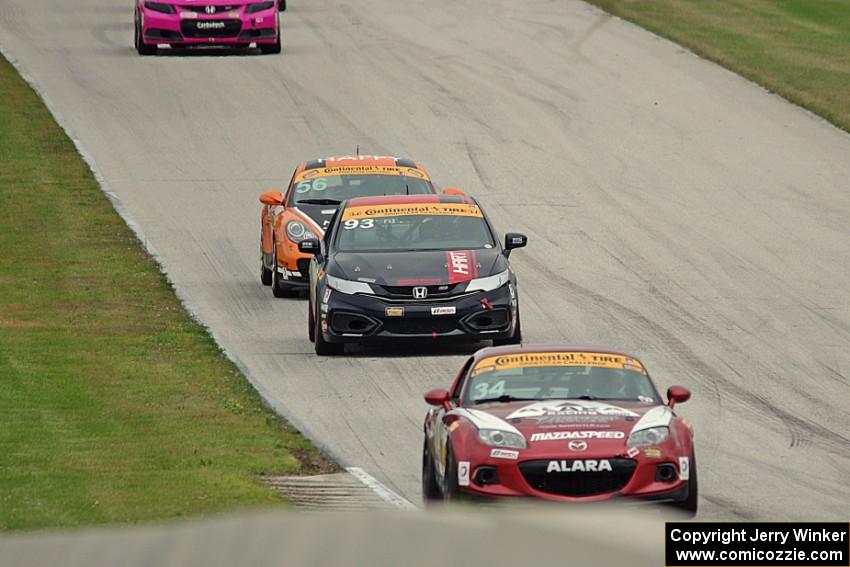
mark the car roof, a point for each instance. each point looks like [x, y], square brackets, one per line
[335, 161]
[411, 200]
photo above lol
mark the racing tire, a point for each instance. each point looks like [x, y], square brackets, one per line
[452, 492]
[430, 489]
[689, 505]
[321, 346]
[282, 6]
[280, 289]
[311, 322]
[271, 48]
[265, 273]
[141, 47]
[514, 339]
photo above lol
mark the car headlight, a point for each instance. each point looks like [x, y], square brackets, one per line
[650, 436]
[348, 286]
[489, 283]
[498, 438]
[259, 7]
[297, 231]
[160, 7]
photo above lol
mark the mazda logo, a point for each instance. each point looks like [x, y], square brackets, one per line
[420, 292]
[210, 9]
[577, 445]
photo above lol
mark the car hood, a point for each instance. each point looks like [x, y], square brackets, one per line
[605, 426]
[320, 215]
[411, 268]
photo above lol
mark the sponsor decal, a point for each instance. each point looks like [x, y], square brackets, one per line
[443, 310]
[324, 326]
[633, 452]
[394, 311]
[684, 468]
[339, 170]
[418, 282]
[576, 420]
[654, 453]
[463, 473]
[564, 435]
[504, 454]
[532, 360]
[367, 280]
[577, 446]
[401, 210]
[324, 307]
[571, 408]
[462, 265]
[581, 465]
[209, 9]
[327, 294]
[210, 25]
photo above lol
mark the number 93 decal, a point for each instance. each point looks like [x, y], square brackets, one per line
[351, 224]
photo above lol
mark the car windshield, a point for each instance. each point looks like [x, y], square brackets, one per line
[334, 189]
[559, 375]
[412, 227]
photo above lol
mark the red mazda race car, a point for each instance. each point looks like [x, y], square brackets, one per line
[570, 424]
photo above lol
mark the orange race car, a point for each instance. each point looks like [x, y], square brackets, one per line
[309, 204]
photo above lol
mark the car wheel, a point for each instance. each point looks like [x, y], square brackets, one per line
[271, 48]
[514, 339]
[265, 273]
[430, 489]
[322, 347]
[279, 289]
[141, 47]
[311, 322]
[690, 504]
[452, 488]
[282, 6]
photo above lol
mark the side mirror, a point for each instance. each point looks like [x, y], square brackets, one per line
[677, 395]
[453, 191]
[272, 198]
[309, 246]
[439, 398]
[515, 240]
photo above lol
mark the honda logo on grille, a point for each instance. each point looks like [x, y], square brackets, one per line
[210, 9]
[420, 292]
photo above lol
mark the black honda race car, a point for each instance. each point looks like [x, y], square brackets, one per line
[401, 267]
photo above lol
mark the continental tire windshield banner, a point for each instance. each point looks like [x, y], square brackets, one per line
[427, 209]
[764, 544]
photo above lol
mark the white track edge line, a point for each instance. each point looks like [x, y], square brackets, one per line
[382, 490]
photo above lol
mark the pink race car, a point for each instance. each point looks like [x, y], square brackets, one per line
[189, 23]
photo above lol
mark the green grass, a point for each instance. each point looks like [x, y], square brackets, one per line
[114, 405]
[799, 49]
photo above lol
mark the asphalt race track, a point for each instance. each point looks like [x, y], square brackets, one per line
[673, 210]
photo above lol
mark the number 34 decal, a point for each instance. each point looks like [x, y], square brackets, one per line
[358, 223]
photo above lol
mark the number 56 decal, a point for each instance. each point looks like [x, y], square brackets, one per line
[305, 186]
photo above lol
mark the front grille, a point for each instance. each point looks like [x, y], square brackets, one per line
[434, 291]
[578, 483]
[210, 28]
[405, 326]
[213, 9]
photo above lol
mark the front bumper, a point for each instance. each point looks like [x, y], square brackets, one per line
[185, 28]
[514, 479]
[368, 319]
